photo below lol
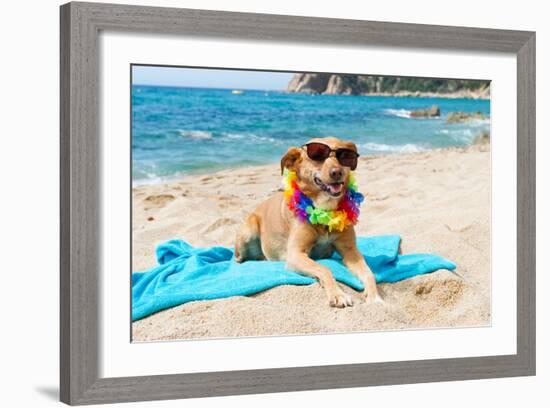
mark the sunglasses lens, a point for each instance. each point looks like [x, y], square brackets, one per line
[347, 158]
[318, 151]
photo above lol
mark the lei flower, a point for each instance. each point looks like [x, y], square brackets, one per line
[344, 215]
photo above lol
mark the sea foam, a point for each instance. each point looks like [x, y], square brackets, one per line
[401, 113]
[381, 147]
[195, 134]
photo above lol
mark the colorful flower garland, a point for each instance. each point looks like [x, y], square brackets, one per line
[344, 215]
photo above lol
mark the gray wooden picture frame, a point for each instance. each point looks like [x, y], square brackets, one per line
[81, 24]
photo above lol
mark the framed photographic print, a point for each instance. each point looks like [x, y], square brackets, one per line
[311, 203]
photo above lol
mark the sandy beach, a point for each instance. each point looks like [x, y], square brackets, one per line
[437, 200]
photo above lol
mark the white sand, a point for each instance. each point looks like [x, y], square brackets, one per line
[438, 201]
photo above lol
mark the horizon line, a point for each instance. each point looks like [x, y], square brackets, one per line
[206, 87]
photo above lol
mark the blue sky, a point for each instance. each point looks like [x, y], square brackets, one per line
[210, 78]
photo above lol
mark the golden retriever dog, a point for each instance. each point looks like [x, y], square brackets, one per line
[322, 169]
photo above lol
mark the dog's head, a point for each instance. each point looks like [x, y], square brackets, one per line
[324, 181]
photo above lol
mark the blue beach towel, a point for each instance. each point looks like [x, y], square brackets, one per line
[185, 273]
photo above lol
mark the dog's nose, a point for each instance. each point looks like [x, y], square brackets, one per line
[336, 173]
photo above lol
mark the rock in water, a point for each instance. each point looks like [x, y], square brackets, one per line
[458, 117]
[482, 138]
[432, 112]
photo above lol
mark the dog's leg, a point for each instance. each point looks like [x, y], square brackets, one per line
[300, 262]
[357, 265]
[353, 259]
[247, 244]
[299, 245]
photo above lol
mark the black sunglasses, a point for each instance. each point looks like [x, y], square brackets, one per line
[320, 152]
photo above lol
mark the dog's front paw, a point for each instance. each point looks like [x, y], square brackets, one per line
[339, 299]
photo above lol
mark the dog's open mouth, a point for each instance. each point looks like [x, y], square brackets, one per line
[333, 189]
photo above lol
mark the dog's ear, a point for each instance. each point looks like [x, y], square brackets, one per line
[350, 145]
[290, 158]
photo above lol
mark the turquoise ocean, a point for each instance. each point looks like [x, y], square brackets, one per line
[178, 132]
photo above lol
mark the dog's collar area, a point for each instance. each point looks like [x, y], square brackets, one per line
[346, 214]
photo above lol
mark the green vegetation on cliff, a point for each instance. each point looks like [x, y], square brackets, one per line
[368, 84]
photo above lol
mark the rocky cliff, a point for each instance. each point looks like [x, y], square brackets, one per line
[334, 84]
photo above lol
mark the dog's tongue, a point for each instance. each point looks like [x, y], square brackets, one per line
[335, 188]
